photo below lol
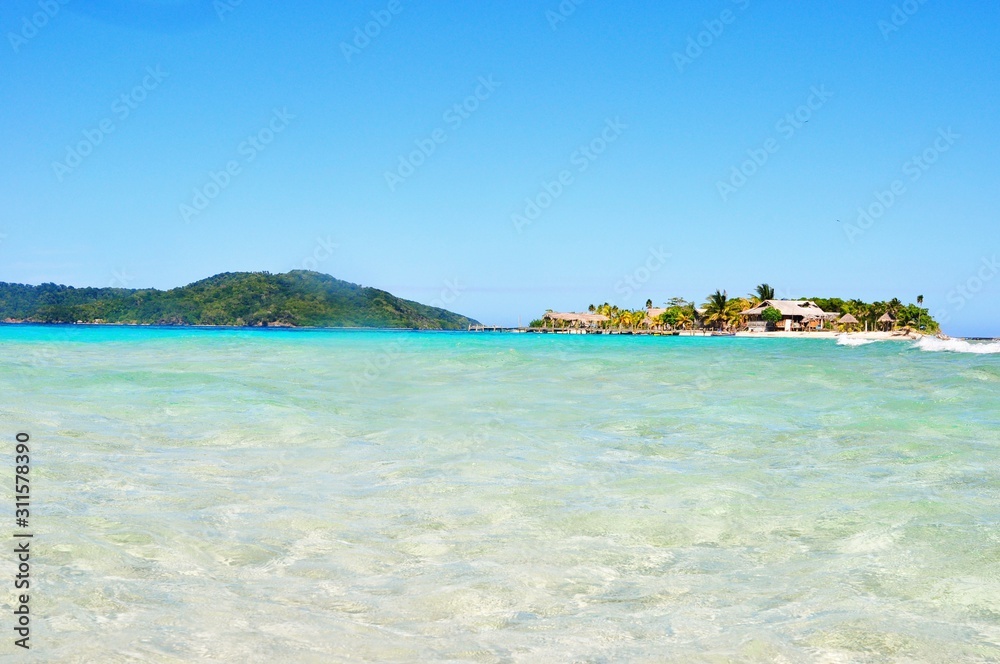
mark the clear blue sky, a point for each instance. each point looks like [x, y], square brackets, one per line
[446, 233]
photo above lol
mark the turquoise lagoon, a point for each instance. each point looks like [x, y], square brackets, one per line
[327, 496]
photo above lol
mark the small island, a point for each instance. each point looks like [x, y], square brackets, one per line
[240, 299]
[758, 314]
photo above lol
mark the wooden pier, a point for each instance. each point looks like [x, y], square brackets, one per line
[490, 328]
[570, 330]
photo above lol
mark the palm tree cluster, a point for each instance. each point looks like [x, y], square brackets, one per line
[620, 318]
[723, 312]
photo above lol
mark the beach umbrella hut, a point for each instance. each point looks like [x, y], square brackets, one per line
[887, 321]
[847, 319]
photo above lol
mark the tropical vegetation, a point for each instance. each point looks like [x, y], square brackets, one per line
[722, 312]
[771, 315]
[259, 299]
[912, 316]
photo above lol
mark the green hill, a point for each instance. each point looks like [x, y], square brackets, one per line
[296, 299]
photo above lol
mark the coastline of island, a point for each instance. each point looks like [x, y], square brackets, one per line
[760, 314]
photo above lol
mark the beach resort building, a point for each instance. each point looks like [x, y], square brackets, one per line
[795, 315]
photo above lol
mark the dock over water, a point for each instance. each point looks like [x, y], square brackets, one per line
[569, 330]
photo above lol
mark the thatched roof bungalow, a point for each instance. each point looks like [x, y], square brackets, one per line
[795, 314]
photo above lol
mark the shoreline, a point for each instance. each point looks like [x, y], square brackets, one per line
[827, 335]
[707, 334]
[867, 336]
[249, 328]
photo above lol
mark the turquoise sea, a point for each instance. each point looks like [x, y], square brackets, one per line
[325, 496]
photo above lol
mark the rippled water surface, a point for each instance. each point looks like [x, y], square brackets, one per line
[398, 497]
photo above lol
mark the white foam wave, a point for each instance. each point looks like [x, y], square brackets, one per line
[844, 340]
[934, 345]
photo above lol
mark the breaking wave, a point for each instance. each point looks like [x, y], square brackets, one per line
[844, 340]
[933, 345]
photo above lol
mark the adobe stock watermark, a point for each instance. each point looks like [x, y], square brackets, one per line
[365, 34]
[702, 41]
[913, 169]
[449, 295]
[248, 150]
[632, 282]
[581, 160]
[323, 251]
[33, 23]
[375, 365]
[121, 109]
[901, 15]
[562, 13]
[120, 278]
[963, 293]
[786, 128]
[454, 117]
[225, 7]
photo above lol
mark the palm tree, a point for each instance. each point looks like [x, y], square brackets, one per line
[591, 308]
[615, 317]
[649, 304]
[737, 307]
[627, 319]
[920, 300]
[636, 318]
[720, 311]
[765, 292]
[894, 306]
[693, 315]
[609, 311]
[686, 317]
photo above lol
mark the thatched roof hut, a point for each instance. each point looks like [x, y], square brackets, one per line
[887, 321]
[848, 319]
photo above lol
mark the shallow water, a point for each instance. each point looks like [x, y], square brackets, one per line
[325, 496]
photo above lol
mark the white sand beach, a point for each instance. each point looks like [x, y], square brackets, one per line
[868, 336]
